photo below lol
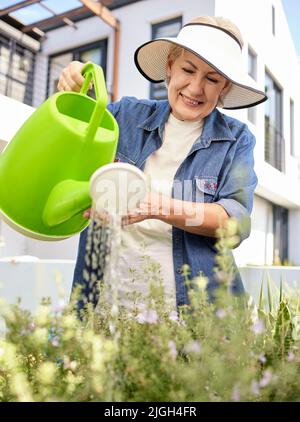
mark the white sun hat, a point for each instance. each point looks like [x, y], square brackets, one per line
[218, 47]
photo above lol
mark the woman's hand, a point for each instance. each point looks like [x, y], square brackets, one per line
[87, 213]
[71, 78]
[154, 205]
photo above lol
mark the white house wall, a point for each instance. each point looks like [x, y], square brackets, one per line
[258, 248]
[136, 20]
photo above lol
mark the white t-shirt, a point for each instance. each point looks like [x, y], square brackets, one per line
[152, 237]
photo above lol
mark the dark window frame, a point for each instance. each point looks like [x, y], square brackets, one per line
[13, 46]
[273, 20]
[251, 111]
[274, 140]
[292, 128]
[280, 232]
[253, 54]
[154, 29]
[102, 43]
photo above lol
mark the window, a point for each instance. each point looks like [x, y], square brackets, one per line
[280, 230]
[252, 71]
[95, 53]
[274, 141]
[16, 70]
[168, 28]
[292, 128]
[252, 63]
[273, 20]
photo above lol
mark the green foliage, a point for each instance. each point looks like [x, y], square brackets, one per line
[227, 350]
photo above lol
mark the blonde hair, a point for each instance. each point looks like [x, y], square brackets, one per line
[218, 21]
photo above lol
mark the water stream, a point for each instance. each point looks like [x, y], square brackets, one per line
[101, 257]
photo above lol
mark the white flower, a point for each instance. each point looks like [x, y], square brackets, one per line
[235, 396]
[150, 316]
[193, 347]
[290, 357]
[173, 316]
[255, 388]
[55, 342]
[262, 358]
[173, 350]
[47, 373]
[221, 313]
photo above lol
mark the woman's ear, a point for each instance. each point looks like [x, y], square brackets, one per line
[168, 68]
[168, 72]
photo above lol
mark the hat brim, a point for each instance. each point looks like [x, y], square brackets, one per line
[151, 60]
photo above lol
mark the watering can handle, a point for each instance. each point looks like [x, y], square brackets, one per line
[94, 72]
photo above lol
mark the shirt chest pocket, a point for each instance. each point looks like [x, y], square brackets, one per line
[204, 188]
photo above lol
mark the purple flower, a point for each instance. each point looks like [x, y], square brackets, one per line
[258, 327]
[267, 376]
[290, 357]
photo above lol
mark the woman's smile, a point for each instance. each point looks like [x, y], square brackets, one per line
[190, 102]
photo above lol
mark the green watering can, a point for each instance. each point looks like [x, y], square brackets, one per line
[46, 168]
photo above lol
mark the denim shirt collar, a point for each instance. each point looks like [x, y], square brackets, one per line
[215, 126]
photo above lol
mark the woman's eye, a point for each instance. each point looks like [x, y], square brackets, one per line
[187, 70]
[215, 81]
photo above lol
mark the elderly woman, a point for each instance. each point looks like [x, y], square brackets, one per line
[199, 161]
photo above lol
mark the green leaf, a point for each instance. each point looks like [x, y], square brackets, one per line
[270, 298]
[261, 297]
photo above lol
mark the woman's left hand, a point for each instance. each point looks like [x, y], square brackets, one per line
[154, 205]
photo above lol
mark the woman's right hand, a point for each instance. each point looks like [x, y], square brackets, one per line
[71, 78]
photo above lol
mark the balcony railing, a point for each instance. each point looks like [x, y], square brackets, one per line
[274, 147]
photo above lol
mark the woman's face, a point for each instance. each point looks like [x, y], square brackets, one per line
[194, 87]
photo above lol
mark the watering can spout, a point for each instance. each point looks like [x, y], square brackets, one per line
[67, 198]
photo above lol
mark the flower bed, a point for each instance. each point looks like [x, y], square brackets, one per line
[221, 351]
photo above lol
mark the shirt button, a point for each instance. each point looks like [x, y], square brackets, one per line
[179, 270]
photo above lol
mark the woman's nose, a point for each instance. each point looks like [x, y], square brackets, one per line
[197, 86]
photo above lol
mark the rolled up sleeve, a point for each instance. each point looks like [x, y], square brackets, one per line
[238, 181]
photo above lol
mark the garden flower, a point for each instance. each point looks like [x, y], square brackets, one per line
[262, 358]
[55, 341]
[173, 316]
[46, 373]
[255, 388]
[235, 396]
[150, 316]
[221, 313]
[267, 376]
[40, 336]
[193, 347]
[173, 350]
[258, 327]
[290, 357]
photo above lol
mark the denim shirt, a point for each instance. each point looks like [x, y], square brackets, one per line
[219, 169]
